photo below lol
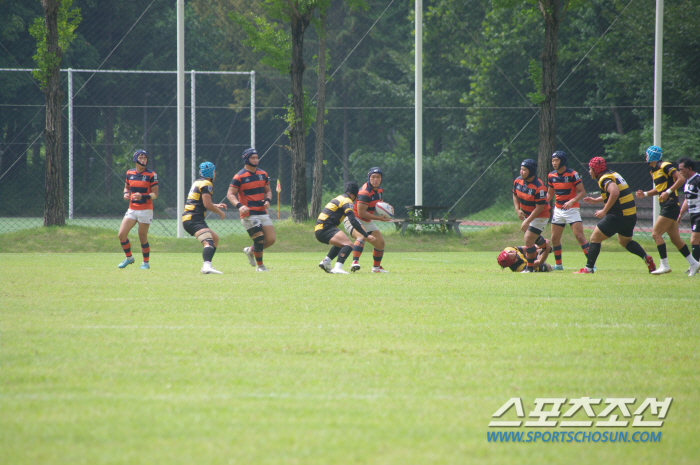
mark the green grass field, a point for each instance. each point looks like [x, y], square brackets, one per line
[101, 365]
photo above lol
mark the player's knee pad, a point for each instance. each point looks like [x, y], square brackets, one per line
[206, 237]
[259, 242]
[540, 241]
[254, 230]
[360, 242]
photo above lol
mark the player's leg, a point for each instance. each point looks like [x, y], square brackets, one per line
[127, 223]
[341, 241]
[577, 228]
[145, 246]
[531, 250]
[675, 236]
[358, 246]
[597, 237]
[660, 227]
[254, 227]
[624, 236]
[269, 232]
[378, 252]
[557, 230]
[209, 240]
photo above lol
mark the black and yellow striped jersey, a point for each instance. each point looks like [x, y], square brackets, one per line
[663, 179]
[334, 212]
[194, 206]
[624, 205]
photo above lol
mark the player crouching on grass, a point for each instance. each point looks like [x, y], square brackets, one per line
[530, 201]
[365, 208]
[250, 193]
[141, 189]
[667, 181]
[327, 232]
[618, 216]
[566, 188]
[514, 258]
[198, 202]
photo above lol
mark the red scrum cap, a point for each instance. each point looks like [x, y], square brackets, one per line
[598, 165]
[504, 260]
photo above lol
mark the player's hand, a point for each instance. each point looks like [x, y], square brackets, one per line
[524, 226]
[136, 196]
[243, 210]
[383, 218]
[640, 194]
[126, 196]
[222, 206]
[663, 196]
[370, 238]
[222, 215]
[521, 215]
[567, 205]
[599, 214]
[587, 200]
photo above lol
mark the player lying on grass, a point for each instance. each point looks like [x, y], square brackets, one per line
[618, 215]
[327, 232]
[141, 189]
[530, 201]
[515, 258]
[197, 203]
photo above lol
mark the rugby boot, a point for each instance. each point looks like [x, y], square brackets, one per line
[127, 261]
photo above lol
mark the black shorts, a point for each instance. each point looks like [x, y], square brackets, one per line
[326, 234]
[613, 224]
[194, 225]
[695, 222]
[670, 210]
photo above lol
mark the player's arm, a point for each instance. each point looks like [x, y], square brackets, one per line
[550, 194]
[362, 210]
[684, 208]
[355, 224]
[518, 211]
[613, 194]
[268, 195]
[153, 195]
[543, 253]
[127, 190]
[214, 207]
[580, 194]
[232, 196]
[678, 181]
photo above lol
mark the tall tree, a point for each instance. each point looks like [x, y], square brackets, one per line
[53, 35]
[317, 190]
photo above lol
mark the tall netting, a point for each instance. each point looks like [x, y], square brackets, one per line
[480, 119]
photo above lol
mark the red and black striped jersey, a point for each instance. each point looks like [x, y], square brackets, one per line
[194, 205]
[251, 189]
[663, 179]
[369, 196]
[564, 185]
[142, 183]
[530, 195]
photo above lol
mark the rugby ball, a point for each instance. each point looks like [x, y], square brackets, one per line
[384, 209]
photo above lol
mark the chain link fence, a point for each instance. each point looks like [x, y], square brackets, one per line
[472, 147]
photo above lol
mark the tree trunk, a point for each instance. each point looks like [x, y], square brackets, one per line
[618, 121]
[346, 154]
[53, 194]
[284, 170]
[548, 123]
[297, 133]
[317, 191]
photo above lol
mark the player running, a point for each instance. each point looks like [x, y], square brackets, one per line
[365, 207]
[667, 180]
[692, 203]
[327, 232]
[566, 188]
[141, 189]
[515, 258]
[250, 193]
[530, 201]
[618, 216]
[198, 202]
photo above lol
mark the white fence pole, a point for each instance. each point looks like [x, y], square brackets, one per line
[193, 117]
[70, 144]
[180, 113]
[658, 87]
[252, 109]
[419, 102]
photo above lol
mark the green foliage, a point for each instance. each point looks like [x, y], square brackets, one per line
[268, 38]
[309, 116]
[535, 69]
[68, 21]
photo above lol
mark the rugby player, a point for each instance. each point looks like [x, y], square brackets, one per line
[198, 202]
[530, 201]
[141, 189]
[514, 258]
[692, 203]
[667, 180]
[618, 216]
[327, 232]
[250, 193]
[365, 207]
[566, 188]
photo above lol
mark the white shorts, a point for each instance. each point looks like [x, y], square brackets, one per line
[539, 223]
[142, 216]
[368, 226]
[252, 221]
[562, 217]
